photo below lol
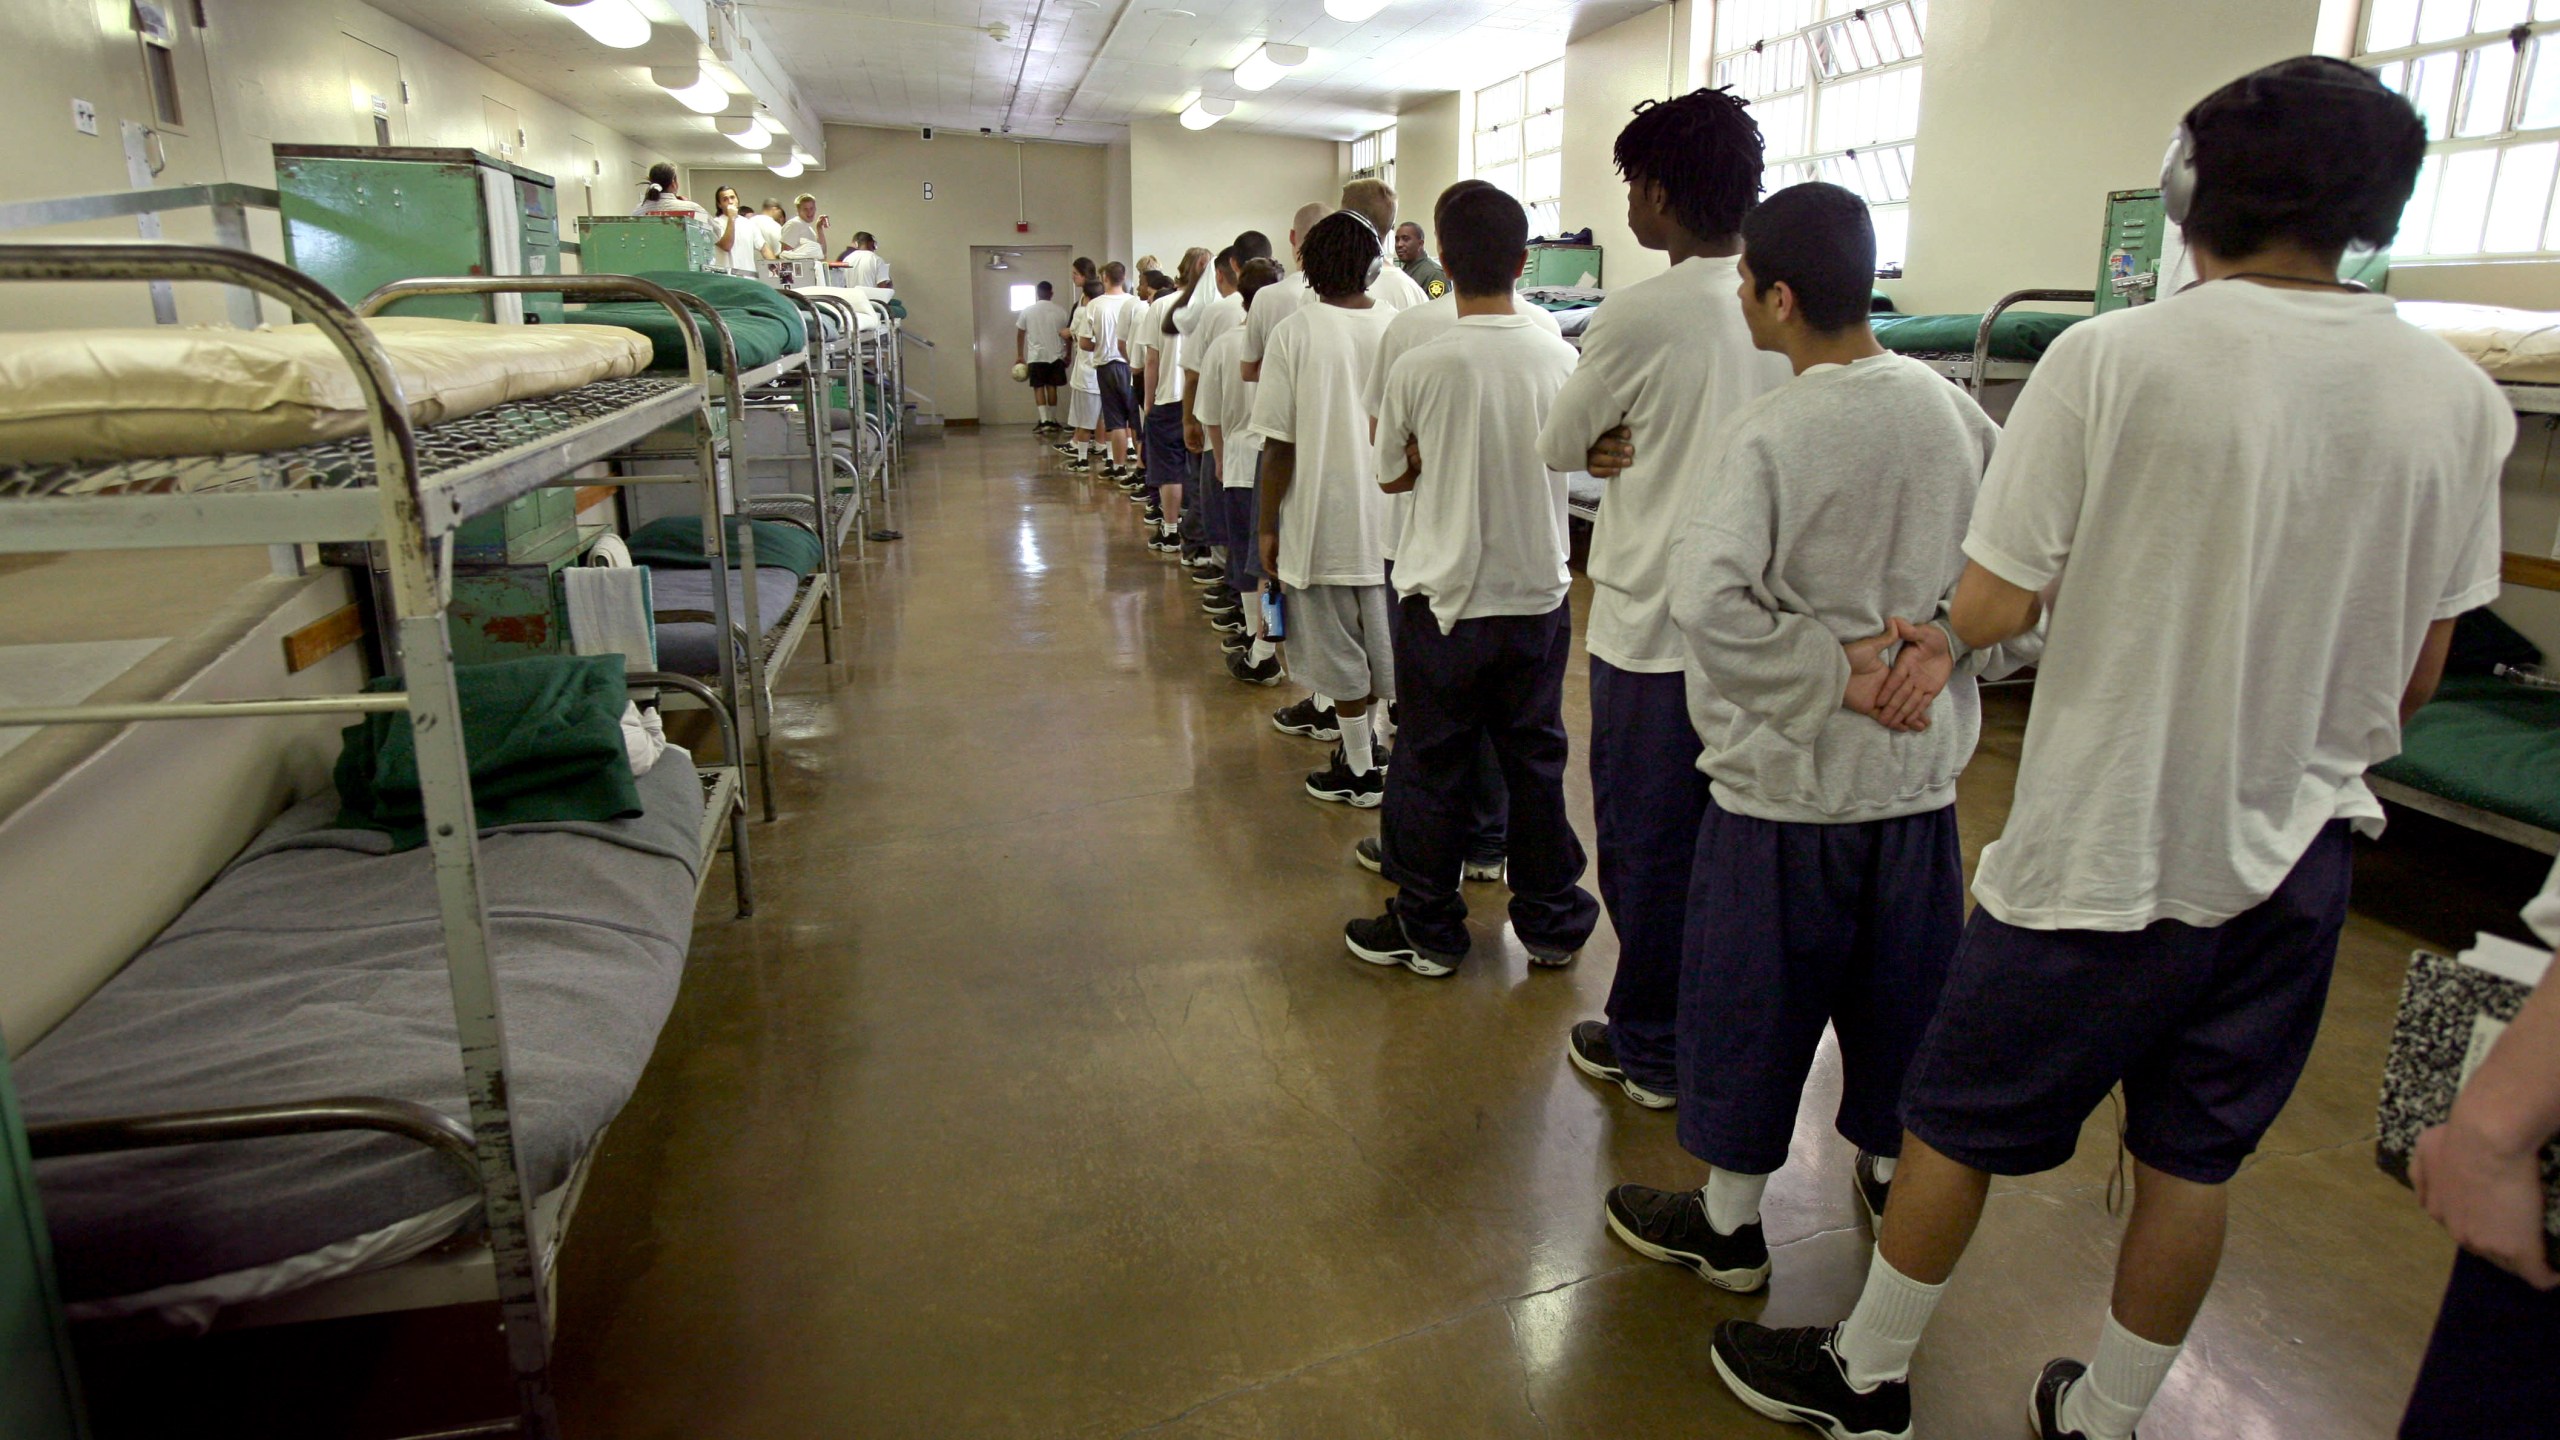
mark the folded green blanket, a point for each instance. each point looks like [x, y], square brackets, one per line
[677, 540]
[2016, 335]
[2485, 742]
[765, 325]
[545, 737]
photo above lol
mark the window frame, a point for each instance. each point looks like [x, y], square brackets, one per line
[2532, 42]
[1381, 164]
[1874, 165]
[1546, 212]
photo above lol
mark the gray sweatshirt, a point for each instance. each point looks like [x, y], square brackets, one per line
[1838, 501]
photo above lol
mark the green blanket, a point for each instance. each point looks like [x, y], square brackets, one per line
[545, 736]
[2016, 335]
[677, 540]
[2486, 742]
[765, 325]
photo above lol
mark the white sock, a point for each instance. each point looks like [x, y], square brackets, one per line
[2123, 1376]
[1262, 650]
[1885, 1165]
[1386, 723]
[1355, 742]
[1733, 1199]
[1321, 702]
[1876, 1341]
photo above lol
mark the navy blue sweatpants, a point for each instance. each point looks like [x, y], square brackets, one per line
[2488, 1373]
[1488, 799]
[1794, 926]
[1501, 677]
[1648, 797]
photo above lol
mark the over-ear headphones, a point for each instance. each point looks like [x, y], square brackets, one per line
[2178, 166]
[1378, 266]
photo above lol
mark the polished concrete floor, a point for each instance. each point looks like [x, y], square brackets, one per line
[1039, 1098]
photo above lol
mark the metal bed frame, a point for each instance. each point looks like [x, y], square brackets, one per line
[1975, 370]
[407, 498]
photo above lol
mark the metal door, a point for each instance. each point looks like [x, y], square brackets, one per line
[380, 114]
[1003, 279]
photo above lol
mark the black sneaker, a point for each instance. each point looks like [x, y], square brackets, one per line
[1222, 600]
[1305, 719]
[1242, 667]
[1235, 640]
[1372, 855]
[1671, 1225]
[1210, 576]
[1229, 623]
[1588, 1047]
[1871, 1191]
[1482, 872]
[1154, 514]
[1549, 957]
[1796, 1376]
[1163, 544]
[2044, 1404]
[1080, 466]
[1202, 560]
[1335, 782]
[1382, 942]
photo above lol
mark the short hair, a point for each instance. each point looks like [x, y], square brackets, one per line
[1092, 289]
[1252, 245]
[1703, 149]
[2311, 150]
[1373, 199]
[1484, 235]
[863, 239]
[1046, 290]
[804, 198]
[1225, 261]
[1158, 281]
[1115, 273]
[1336, 255]
[1440, 207]
[1253, 275]
[771, 202]
[1304, 222]
[1817, 238]
[1418, 232]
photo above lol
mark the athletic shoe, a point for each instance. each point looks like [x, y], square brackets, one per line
[1236, 640]
[1162, 543]
[1372, 855]
[1080, 467]
[1796, 1376]
[1482, 872]
[1587, 1046]
[2044, 1403]
[1548, 957]
[1229, 623]
[1303, 718]
[1201, 559]
[1266, 673]
[1382, 942]
[1671, 1225]
[1154, 514]
[1871, 1191]
[1219, 604]
[1381, 752]
[1210, 573]
[1335, 782]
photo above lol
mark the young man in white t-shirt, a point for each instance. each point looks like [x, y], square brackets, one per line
[1323, 518]
[1390, 289]
[1223, 404]
[1483, 632]
[2253, 510]
[1084, 384]
[862, 263]
[1040, 349]
[1827, 887]
[1664, 362]
[1116, 315]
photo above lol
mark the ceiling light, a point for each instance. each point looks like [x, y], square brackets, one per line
[753, 137]
[1206, 111]
[791, 166]
[700, 93]
[1353, 11]
[610, 22]
[1263, 68]
[1172, 12]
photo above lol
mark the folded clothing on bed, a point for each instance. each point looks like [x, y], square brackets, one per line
[314, 966]
[128, 394]
[2016, 335]
[765, 324]
[676, 541]
[545, 737]
[2521, 345]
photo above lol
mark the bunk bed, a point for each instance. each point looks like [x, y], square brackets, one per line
[2004, 346]
[402, 489]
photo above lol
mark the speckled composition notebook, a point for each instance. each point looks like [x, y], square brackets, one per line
[2451, 1012]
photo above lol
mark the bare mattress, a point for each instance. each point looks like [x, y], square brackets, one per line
[314, 967]
[686, 646]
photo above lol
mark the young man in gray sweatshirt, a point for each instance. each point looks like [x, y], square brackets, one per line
[1827, 887]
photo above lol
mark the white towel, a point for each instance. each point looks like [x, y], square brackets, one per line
[609, 613]
[610, 551]
[644, 736]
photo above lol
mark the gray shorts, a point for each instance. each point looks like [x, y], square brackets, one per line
[1337, 640]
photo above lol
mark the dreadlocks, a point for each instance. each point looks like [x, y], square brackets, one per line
[1703, 149]
[1336, 255]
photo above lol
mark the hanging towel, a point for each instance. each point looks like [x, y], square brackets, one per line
[609, 613]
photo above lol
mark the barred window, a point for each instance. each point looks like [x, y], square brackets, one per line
[2485, 75]
[1519, 142]
[1835, 85]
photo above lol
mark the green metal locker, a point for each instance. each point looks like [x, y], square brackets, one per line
[2129, 252]
[358, 216]
[632, 244]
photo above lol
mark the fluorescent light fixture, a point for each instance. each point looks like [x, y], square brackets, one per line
[1263, 68]
[1206, 111]
[1353, 11]
[609, 22]
[791, 166]
[753, 137]
[700, 93]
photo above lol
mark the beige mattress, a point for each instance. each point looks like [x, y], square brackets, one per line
[2518, 345]
[132, 394]
[857, 296]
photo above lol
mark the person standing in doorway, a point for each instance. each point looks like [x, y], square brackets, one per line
[1040, 348]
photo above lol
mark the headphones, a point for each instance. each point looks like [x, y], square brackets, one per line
[1377, 266]
[2178, 166]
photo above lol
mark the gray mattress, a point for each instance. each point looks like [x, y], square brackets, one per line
[686, 647]
[314, 967]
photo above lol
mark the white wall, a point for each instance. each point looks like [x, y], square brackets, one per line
[1117, 242]
[1429, 155]
[875, 181]
[275, 70]
[1605, 75]
[1204, 187]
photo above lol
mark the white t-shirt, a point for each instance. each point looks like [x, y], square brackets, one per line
[1486, 532]
[865, 267]
[1333, 523]
[1671, 359]
[1166, 348]
[671, 204]
[754, 231]
[1210, 322]
[2244, 505]
[1115, 322]
[1411, 328]
[800, 240]
[1040, 321]
[1226, 401]
[1394, 291]
[1082, 375]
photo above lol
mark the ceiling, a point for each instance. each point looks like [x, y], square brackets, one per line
[1086, 68]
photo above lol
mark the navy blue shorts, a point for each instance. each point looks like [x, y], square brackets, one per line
[1119, 395]
[1167, 462]
[2207, 1029]
[1244, 531]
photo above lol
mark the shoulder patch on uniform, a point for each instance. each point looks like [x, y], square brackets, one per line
[1436, 288]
